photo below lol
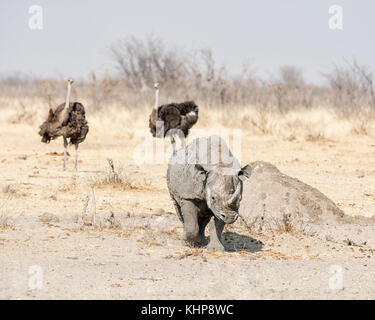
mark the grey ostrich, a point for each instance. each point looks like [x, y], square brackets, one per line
[67, 120]
[172, 119]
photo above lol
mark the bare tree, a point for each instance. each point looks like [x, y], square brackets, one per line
[291, 76]
[366, 78]
[48, 89]
[352, 86]
[101, 89]
[143, 62]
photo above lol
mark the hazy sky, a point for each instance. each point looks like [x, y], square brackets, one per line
[76, 34]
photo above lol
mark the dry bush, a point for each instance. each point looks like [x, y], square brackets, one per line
[49, 218]
[6, 222]
[315, 137]
[102, 223]
[67, 187]
[113, 177]
[49, 90]
[262, 121]
[8, 188]
[100, 90]
[290, 90]
[362, 125]
[23, 114]
[13, 191]
[352, 87]
[16, 85]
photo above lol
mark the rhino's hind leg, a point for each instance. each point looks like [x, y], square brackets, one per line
[191, 227]
[216, 227]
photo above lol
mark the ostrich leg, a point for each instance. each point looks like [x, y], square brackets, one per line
[65, 146]
[76, 160]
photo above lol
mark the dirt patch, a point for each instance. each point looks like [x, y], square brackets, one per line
[60, 154]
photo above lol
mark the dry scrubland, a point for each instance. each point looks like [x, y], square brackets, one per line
[138, 253]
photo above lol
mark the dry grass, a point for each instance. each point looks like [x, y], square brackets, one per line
[68, 187]
[312, 124]
[285, 225]
[113, 177]
[303, 124]
[102, 224]
[6, 222]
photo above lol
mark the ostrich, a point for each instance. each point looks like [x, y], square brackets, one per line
[172, 119]
[67, 120]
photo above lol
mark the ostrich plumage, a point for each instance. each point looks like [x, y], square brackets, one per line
[70, 123]
[181, 116]
[173, 119]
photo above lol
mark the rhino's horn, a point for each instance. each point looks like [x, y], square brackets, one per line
[234, 195]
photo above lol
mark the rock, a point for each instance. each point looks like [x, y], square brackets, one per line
[273, 201]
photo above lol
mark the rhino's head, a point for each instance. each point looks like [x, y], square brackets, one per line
[223, 192]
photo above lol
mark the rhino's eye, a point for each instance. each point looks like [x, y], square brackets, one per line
[212, 198]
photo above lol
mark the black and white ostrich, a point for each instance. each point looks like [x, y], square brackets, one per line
[172, 119]
[67, 120]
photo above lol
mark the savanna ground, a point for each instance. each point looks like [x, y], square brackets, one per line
[138, 254]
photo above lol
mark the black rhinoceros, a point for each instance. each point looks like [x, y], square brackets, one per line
[205, 183]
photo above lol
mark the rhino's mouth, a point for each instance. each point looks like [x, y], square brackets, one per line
[221, 212]
[228, 217]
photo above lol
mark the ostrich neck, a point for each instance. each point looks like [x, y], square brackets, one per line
[156, 99]
[68, 96]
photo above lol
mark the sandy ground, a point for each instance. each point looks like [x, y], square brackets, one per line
[140, 255]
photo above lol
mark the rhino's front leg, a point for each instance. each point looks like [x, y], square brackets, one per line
[216, 227]
[191, 227]
[202, 222]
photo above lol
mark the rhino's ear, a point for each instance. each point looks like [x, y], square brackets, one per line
[50, 114]
[245, 172]
[199, 167]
